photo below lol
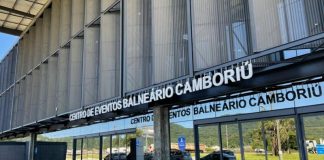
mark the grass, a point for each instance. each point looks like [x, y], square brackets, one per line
[254, 156]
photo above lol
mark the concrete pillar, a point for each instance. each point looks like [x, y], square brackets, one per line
[91, 53]
[75, 56]
[31, 146]
[62, 71]
[161, 133]
[52, 61]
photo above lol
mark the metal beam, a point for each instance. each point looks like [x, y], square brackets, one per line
[311, 67]
[17, 12]
[10, 31]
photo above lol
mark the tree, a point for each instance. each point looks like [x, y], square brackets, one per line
[287, 135]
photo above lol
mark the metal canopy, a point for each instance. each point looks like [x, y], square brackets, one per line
[16, 16]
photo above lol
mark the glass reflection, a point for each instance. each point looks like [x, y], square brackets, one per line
[131, 146]
[231, 141]
[106, 148]
[78, 149]
[281, 138]
[253, 140]
[145, 143]
[59, 138]
[182, 130]
[314, 135]
[84, 149]
[209, 144]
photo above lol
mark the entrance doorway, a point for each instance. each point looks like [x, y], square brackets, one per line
[119, 147]
[313, 127]
[262, 139]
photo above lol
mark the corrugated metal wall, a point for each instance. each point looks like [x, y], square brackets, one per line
[155, 42]
[109, 56]
[68, 60]
[220, 30]
[277, 22]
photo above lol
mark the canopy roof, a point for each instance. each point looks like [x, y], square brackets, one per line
[16, 16]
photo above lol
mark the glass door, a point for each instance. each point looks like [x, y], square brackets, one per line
[78, 152]
[314, 136]
[219, 141]
[281, 139]
[253, 140]
[130, 145]
[119, 147]
[270, 139]
[209, 143]
[264, 139]
[230, 141]
[106, 147]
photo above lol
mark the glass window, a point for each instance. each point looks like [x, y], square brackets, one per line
[145, 140]
[209, 144]
[85, 149]
[220, 31]
[155, 42]
[106, 147]
[253, 140]
[182, 130]
[130, 145]
[78, 149]
[314, 135]
[281, 138]
[95, 146]
[231, 141]
[271, 138]
[59, 138]
[90, 149]
[119, 147]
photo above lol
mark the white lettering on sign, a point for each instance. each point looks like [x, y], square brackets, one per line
[233, 75]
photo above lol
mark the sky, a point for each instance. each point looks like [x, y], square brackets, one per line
[6, 43]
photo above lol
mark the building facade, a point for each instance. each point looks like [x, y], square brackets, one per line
[167, 79]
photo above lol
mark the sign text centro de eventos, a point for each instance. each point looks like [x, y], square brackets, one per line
[242, 72]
